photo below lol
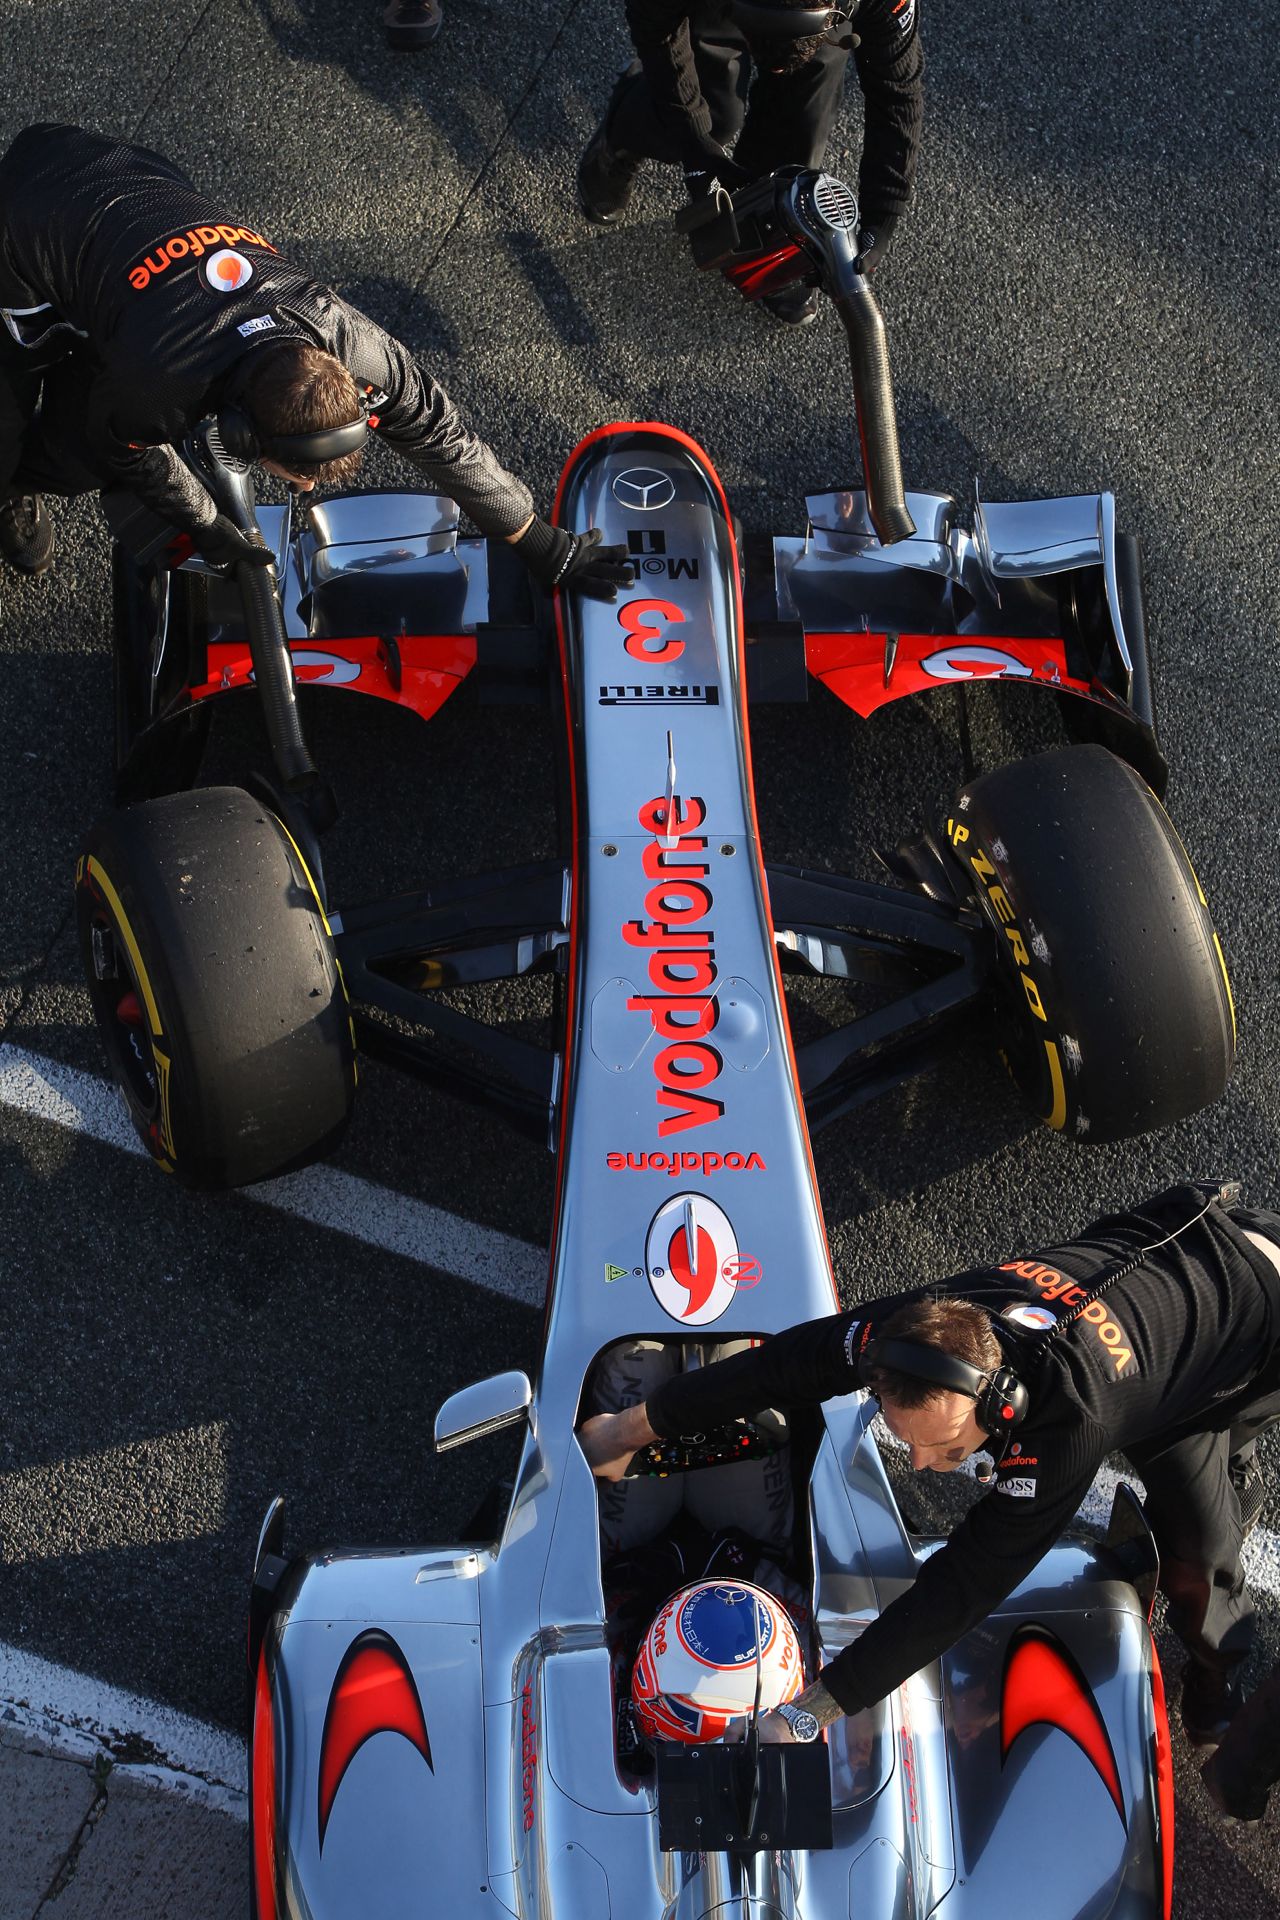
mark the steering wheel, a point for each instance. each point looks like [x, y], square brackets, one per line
[716, 1447]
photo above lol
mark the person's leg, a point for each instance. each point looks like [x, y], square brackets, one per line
[53, 457]
[751, 1496]
[632, 131]
[1246, 1766]
[633, 1512]
[26, 536]
[790, 115]
[724, 76]
[1195, 1518]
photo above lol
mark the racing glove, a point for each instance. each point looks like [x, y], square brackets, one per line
[559, 559]
[874, 239]
[222, 544]
[705, 163]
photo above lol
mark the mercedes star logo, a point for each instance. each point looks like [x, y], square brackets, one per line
[644, 488]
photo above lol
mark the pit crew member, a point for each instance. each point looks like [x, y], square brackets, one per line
[132, 307]
[692, 92]
[1154, 1332]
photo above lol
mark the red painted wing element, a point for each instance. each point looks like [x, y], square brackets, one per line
[854, 665]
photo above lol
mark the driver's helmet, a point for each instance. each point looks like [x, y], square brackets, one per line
[696, 1671]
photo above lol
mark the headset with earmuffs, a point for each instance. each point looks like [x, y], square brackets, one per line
[1001, 1399]
[241, 439]
[759, 20]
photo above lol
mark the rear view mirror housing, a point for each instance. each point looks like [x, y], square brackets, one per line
[503, 1400]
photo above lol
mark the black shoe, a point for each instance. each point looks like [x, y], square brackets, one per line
[605, 180]
[1251, 1492]
[26, 534]
[1249, 1810]
[1209, 1700]
[794, 306]
[411, 25]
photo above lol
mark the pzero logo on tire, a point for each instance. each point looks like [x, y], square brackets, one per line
[1002, 911]
[644, 489]
[691, 1257]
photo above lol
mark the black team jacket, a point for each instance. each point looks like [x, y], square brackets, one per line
[170, 295]
[889, 62]
[1180, 1345]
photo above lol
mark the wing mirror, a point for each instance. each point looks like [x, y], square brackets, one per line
[501, 1401]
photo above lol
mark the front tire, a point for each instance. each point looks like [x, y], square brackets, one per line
[1115, 1008]
[213, 979]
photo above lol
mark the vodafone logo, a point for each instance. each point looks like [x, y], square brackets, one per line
[692, 1260]
[227, 271]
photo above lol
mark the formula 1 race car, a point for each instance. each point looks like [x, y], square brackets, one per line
[231, 991]
[441, 1726]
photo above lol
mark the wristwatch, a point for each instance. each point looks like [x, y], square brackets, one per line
[803, 1724]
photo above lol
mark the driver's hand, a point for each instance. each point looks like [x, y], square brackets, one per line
[610, 1440]
[222, 544]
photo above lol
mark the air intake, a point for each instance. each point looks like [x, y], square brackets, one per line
[835, 203]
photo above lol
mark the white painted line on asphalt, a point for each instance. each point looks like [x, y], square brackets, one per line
[74, 1714]
[322, 1196]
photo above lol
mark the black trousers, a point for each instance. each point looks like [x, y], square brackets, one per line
[43, 396]
[778, 119]
[1195, 1516]
[1247, 1764]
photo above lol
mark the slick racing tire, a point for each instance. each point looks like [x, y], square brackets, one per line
[213, 980]
[1115, 1009]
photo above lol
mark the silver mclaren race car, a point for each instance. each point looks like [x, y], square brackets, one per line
[437, 1730]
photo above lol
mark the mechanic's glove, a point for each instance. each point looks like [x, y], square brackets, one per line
[222, 544]
[874, 240]
[559, 559]
[705, 163]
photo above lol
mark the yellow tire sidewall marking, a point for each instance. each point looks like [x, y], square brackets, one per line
[98, 874]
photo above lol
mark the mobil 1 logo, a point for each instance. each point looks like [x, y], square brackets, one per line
[647, 546]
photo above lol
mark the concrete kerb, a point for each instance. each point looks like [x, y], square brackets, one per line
[100, 1816]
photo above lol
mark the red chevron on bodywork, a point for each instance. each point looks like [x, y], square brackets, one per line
[1043, 1687]
[373, 1692]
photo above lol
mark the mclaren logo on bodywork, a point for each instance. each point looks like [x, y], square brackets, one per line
[373, 1692]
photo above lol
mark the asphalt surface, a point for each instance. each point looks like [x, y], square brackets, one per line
[1083, 297]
